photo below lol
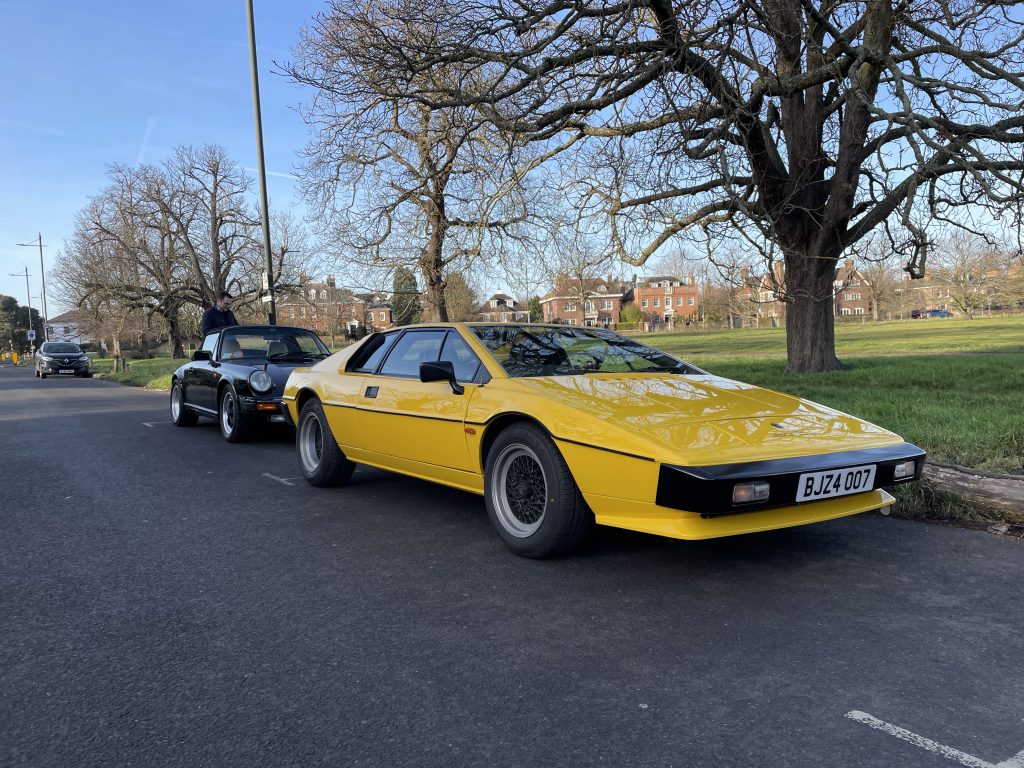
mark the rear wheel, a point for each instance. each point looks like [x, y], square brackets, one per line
[180, 415]
[322, 462]
[233, 425]
[531, 497]
[42, 375]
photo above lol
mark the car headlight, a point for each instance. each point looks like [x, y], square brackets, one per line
[47, 358]
[260, 381]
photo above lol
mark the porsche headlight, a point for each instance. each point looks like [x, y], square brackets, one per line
[260, 381]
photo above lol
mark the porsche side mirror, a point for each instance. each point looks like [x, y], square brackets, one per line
[442, 370]
[202, 354]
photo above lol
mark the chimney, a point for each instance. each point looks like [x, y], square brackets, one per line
[849, 265]
[609, 278]
[691, 279]
[331, 282]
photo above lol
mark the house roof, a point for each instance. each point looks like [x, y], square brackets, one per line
[72, 316]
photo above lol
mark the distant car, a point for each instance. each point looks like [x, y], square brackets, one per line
[917, 314]
[939, 313]
[61, 358]
[238, 376]
[558, 427]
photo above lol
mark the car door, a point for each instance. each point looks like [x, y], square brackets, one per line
[201, 377]
[413, 420]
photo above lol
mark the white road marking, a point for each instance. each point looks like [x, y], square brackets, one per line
[1017, 761]
[281, 480]
[151, 423]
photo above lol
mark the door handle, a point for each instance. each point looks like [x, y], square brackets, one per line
[371, 392]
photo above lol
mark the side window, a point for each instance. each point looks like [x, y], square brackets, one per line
[413, 348]
[367, 358]
[459, 354]
[210, 342]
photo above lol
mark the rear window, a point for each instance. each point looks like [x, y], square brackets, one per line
[372, 352]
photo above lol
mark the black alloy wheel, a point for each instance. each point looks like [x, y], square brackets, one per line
[531, 497]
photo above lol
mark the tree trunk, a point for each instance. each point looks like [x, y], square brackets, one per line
[432, 268]
[810, 322]
[174, 331]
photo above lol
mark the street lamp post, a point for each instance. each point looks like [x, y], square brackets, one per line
[261, 168]
[42, 274]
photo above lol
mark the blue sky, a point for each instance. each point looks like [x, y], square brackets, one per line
[84, 85]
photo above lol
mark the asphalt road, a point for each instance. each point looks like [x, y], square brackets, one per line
[169, 599]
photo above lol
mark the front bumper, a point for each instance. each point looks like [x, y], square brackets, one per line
[271, 407]
[58, 368]
[707, 490]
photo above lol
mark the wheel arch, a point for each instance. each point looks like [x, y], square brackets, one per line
[302, 397]
[498, 425]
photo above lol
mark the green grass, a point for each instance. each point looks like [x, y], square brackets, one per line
[150, 374]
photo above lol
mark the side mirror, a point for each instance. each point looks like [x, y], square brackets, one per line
[202, 354]
[442, 370]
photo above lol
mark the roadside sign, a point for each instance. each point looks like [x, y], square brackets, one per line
[30, 335]
[265, 299]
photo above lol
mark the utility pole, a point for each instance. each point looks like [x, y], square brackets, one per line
[28, 293]
[42, 273]
[261, 169]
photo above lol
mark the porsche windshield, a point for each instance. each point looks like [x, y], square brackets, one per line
[273, 344]
[566, 351]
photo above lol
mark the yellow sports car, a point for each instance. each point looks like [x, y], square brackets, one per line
[560, 426]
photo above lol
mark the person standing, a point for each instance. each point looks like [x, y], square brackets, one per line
[220, 314]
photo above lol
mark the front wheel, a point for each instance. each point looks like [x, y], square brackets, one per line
[180, 415]
[233, 425]
[531, 497]
[322, 462]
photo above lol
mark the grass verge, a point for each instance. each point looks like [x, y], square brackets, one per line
[150, 374]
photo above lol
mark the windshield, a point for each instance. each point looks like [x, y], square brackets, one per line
[273, 344]
[567, 351]
[61, 349]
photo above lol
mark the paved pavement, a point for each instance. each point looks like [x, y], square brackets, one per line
[169, 599]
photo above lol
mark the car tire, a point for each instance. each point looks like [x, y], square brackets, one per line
[180, 415]
[234, 426]
[531, 497]
[42, 375]
[37, 373]
[322, 462]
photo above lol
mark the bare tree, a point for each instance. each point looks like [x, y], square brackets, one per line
[802, 125]
[401, 183]
[969, 269]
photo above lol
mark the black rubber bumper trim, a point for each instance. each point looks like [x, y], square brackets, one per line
[708, 489]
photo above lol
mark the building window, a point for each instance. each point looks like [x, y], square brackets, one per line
[606, 304]
[312, 294]
[858, 311]
[589, 306]
[302, 312]
[691, 301]
[291, 313]
[645, 302]
[679, 301]
[845, 311]
[657, 302]
[382, 316]
[570, 306]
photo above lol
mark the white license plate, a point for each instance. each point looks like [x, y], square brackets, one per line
[66, 370]
[835, 482]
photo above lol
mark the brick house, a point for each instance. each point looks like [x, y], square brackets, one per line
[593, 303]
[331, 311]
[665, 299]
[852, 296]
[501, 308]
[759, 304]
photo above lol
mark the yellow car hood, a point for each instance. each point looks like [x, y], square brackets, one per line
[702, 419]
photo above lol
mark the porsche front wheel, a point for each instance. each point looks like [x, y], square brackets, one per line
[531, 497]
[322, 462]
[234, 427]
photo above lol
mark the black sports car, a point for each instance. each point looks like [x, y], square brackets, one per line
[238, 376]
[62, 358]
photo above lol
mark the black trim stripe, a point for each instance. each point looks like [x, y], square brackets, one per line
[602, 448]
[390, 413]
[708, 489]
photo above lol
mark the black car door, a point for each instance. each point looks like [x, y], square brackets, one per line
[202, 377]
